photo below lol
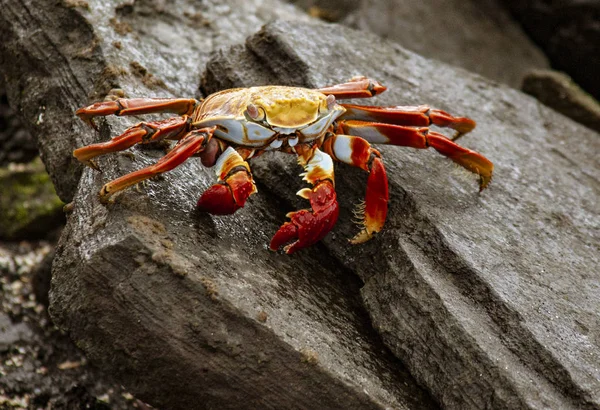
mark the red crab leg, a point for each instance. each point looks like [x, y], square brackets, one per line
[422, 116]
[234, 188]
[380, 133]
[308, 226]
[144, 132]
[136, 106]
[190, 144]
[359, 153]
[357, 87]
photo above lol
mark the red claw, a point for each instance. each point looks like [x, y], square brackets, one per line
[307, 226]
[217, 200]
[228, 197]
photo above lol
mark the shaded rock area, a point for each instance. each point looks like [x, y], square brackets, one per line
[569, 33]
[480, 36]
[558, 91]
[490, 299]
[16, 143]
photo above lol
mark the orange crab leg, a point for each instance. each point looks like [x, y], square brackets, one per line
[137, 106]
[234, 188]
[357, 87]
[190, 144]
[422, 116]
[171, 128]
[358, 152]
[309, 226]
[381, 133]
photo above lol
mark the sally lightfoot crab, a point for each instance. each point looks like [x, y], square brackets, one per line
[229, 127]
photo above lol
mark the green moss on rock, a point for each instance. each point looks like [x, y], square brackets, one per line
[29, 206]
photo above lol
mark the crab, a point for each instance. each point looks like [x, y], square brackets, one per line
[229, 127]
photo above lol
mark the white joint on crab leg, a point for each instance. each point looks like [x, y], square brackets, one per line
[234, 187]
[359, 153]
[308, 226]
[318, 167]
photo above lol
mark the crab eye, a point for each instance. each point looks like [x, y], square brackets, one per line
[330, 101]
[254, 112]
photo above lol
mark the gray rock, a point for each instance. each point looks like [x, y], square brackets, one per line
[11, 334]
[568, 32]
[558, 91]
[480, 36]
[185, 310]
[490, 299]
[16, 143]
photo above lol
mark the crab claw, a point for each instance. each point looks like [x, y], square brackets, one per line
[227, 197]
[309, 226]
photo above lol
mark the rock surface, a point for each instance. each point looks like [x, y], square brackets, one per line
[479, 35]
[569, 33]
[186, 311]
[40, 367]
[558, 91]
[16, 143]
[490, 299]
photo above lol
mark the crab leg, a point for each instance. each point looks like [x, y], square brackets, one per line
[359, 153]
[308, 226]
[143, 132]
[137, 106]
[422, 137]
[422, 116]
[234, 187]
[193, 142]
[357, 87]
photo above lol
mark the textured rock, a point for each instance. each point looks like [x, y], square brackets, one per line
[40, 366]
[490, 299]
[569, 33]
[185, 310]
[558, 91]
[16, 144]
[480, 36]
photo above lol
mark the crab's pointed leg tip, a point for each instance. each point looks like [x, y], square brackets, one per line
[361, 237]
[89, 120]
[484, 182]
[92, 164]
